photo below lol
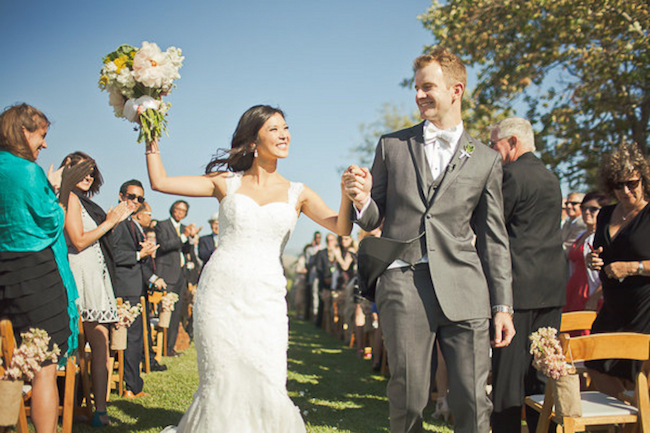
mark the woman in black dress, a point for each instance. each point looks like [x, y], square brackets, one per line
[622, 255]
[36, 286]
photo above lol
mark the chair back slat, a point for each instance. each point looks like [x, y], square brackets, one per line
[617, 345]
[577, 321]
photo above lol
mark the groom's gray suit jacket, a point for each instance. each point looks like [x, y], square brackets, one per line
[461, 216]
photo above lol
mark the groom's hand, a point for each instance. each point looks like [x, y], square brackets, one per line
[504, 330]
[357, 183]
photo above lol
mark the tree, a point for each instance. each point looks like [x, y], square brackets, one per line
[581, 69]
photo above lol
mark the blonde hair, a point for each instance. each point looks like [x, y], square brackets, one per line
[452, 67]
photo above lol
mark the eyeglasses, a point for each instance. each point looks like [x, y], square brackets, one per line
[630, 184]
[130, 196]
[572, 203]
[592, 209]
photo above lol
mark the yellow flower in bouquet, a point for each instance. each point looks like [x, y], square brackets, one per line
[136, 80]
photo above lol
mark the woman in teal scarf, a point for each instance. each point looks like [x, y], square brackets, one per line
[37, 289]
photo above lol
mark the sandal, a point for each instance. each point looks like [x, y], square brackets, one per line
[97, 419]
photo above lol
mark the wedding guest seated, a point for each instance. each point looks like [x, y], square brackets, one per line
[622, 256]
[583, 290]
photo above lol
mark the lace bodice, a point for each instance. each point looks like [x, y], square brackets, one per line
[262, 231]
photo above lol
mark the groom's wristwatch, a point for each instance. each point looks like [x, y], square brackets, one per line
[502, 309]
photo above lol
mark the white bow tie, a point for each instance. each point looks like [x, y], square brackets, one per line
[431, 134]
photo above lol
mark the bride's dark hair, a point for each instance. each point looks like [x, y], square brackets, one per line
[241, 154]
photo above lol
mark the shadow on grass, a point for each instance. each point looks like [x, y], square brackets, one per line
[332, 387]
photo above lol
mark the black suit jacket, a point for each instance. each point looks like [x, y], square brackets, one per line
[532, 202]
[132, 276]
[168, 255]
[206, 247]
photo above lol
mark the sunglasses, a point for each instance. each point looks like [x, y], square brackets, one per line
[592, 209]
[572, 203]
[630, 184]
[139, 198]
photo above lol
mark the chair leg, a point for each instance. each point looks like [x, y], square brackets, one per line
[21, 427]
[120, 373]
[69, 395]
[145, 334]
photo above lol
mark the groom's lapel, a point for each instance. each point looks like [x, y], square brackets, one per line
[416, 148]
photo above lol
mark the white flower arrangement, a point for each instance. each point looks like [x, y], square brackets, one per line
[168, 301]
[547, 354]
[136, 80]
[126, 314]
[28, 357]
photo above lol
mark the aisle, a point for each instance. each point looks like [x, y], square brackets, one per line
[335, 390]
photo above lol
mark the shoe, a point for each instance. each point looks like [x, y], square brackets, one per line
[442, 409]
[97, 419]
[129, 394]
[173, 354]
[158, 367]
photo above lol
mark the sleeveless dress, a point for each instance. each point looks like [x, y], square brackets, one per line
[93, 280]
[241, 324]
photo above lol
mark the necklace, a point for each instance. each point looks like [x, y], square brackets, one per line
[627, 215]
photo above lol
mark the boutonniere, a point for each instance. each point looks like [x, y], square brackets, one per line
[466, 151]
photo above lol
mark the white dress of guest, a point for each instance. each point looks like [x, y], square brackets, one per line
[96, 296]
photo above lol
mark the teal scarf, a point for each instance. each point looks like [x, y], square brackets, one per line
[32, 220]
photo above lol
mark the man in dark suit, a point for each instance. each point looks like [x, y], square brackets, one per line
[208, 243]
[440, 189]
[133, 276]
[174, 240]
[532, 206]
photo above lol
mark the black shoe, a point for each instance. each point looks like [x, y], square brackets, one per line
[173, 354]
[158, 367]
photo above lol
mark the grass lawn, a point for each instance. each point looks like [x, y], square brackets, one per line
[335, 390]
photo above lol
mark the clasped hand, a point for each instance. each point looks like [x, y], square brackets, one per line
[356, 183]
[615, 270]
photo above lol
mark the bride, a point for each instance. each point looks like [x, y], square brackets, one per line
[240, 313]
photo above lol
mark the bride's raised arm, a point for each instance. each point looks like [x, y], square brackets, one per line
[315, 208]
[190, 186]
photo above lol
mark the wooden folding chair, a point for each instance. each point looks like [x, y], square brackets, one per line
[158, 334]
[85, 406]
[577, 321]
[598, 408]
[8, 347]
[145, 335]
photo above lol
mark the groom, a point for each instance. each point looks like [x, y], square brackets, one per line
[436, 185]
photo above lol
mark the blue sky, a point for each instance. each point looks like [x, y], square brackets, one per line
[329, 65]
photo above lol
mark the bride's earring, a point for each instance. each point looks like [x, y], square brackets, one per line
[255, 153]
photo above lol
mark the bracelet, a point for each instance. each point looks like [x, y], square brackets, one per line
[639, 270]
[151, 152]
[101, 226]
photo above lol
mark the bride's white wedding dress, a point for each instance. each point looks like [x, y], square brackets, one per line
[241, 324]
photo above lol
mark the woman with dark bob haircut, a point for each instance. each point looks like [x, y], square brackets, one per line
[37, 289]
[622, 255]
[90, 254]
[242, 289]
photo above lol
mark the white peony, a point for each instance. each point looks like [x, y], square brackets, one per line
[153, 68]
[133, 107]
[116, 100]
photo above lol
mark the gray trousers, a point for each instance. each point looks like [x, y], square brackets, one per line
[411, 319]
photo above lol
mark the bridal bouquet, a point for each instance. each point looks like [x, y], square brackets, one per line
[136, 79]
